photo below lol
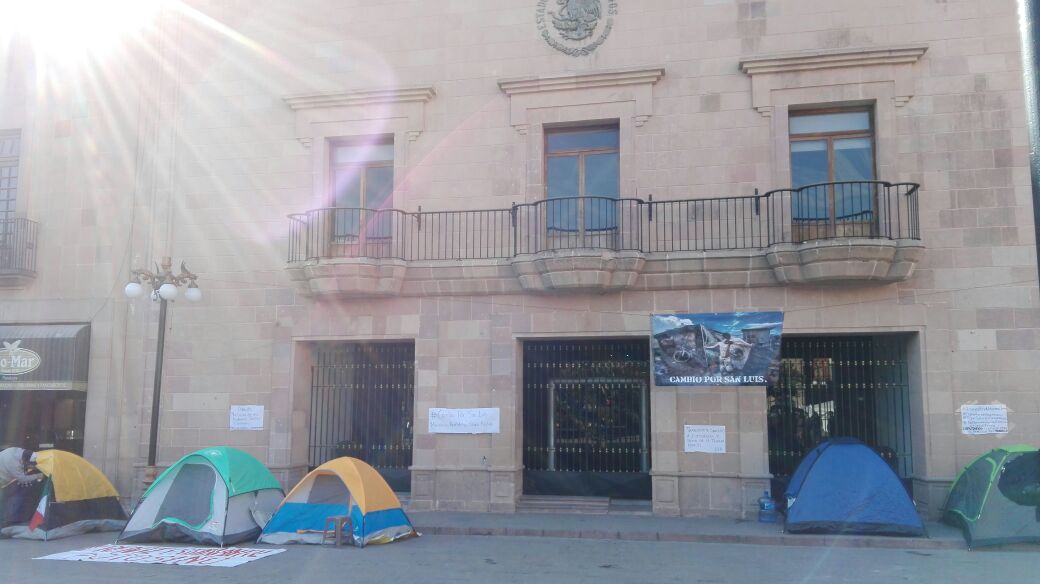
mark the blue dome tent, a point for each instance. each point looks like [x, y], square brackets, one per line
[842, 486]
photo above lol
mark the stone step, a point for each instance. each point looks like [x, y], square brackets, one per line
[631, 507]
[549, 504]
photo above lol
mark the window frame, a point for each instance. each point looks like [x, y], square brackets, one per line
[810, 227]
[580, 153]
[367, 229]
[580, 197]
[14, 161]
[362, 166]
[829, 137]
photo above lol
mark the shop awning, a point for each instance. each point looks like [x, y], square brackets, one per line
[44, 357]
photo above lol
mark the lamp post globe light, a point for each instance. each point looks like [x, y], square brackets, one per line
[164, 284]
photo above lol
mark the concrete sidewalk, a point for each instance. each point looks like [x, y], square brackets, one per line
[629, 527]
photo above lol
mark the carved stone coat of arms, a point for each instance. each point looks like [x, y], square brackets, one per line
[575, 27]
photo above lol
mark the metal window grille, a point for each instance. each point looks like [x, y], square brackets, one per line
[362, 405]
[587, 418]
[833, 387]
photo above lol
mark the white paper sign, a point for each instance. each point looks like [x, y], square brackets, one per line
[247, 418]
[710, 439]
[181, 556]
[984, 419]
[464, 421]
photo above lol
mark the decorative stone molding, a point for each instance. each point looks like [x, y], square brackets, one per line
[349, 277]
[852, 261]
[606, 86]
[845, 261]
[578, 270]
[324, 117]
[331, 107]
[361, 97]
[831, 67]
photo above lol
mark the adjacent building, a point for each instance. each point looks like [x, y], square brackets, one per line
[395, 206]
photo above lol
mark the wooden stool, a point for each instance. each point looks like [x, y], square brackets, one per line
[338, 523]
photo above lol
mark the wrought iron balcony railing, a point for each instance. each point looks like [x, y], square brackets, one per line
[18, 247]
[863, 209]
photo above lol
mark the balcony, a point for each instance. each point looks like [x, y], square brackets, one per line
[828, 233]
[17, 252]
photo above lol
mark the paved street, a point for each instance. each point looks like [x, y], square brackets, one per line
[439, 558]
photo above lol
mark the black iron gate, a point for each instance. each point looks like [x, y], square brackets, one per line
[362, 406]
[833, 387]
[587, 418]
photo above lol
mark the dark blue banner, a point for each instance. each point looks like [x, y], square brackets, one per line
[719, 348]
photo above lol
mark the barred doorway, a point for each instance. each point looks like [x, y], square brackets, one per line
[830, 387]
[587, 418]
[362, 405]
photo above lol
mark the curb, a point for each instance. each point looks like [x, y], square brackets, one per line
[778, 540]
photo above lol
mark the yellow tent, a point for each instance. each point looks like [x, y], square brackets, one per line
[72, 477]
[344, 486]
[75, 498]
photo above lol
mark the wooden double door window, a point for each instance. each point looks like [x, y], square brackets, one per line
[362, 175]
[582, 180]
[832, 162]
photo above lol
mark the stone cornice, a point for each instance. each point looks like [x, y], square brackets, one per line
[361, 97]
[570, 89]
[832, 58]
[816, 68]
[603, 78]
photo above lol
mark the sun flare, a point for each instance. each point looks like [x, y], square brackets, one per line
[73, 28]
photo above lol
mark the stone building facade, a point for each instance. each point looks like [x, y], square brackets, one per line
[240, 137]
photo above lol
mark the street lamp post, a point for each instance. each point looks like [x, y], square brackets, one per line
[164, 284]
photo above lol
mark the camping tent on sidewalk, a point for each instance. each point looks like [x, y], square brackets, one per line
[219, 496]
[74, 497]
[996, 498]
[842, 486]
[344, 486]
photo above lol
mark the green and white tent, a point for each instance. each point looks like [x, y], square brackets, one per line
[218, 496]
[996, 498]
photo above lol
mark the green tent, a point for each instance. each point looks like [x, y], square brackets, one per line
[996, 498]
[218, 495]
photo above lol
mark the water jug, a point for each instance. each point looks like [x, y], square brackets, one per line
[766, 509]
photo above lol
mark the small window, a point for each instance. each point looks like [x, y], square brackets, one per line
[834, 150]
[582, 178]
[10, 147]
[362, 177]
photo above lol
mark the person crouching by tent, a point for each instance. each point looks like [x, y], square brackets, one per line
[19, 482]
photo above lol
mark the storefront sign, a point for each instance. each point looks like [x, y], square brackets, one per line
[15, 360]
[979, 419]
[180, 556]
[464, 421]
[710, 439]
[723, 348]
[247, 418]
[44, 357]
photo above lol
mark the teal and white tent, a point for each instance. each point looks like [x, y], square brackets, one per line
[218, 496]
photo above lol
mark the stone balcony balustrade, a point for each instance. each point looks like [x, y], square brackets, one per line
[831, 233]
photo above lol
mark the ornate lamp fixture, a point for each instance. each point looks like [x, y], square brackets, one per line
[164, 284]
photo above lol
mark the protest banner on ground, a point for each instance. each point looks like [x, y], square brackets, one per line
[179, 556]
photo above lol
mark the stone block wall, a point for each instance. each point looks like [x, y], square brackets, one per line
[201, 161]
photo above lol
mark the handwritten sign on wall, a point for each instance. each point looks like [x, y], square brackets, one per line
[247, 418]
[710, 439]
[464, 421]
[984, 419]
